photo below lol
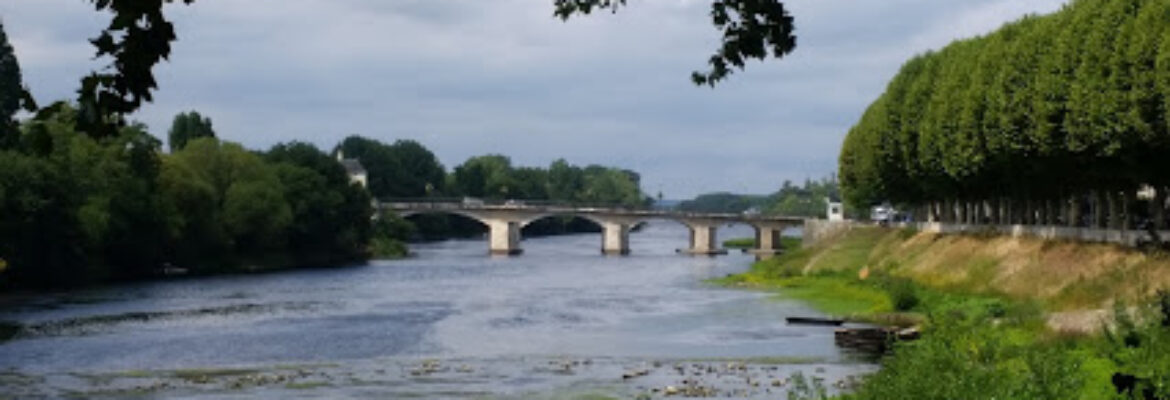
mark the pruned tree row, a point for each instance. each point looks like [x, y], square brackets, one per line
[1058, 119]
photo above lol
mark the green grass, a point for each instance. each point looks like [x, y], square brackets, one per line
[194, 373]
[306, 385]
[850, 253]
[834, 290]
[828, 277]
[836, 296]
[740, 243]
[786, 243]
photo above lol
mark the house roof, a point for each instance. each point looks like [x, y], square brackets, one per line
[353, 167]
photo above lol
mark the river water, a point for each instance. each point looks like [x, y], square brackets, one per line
[560, 321]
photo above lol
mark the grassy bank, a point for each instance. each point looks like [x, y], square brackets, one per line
[750, 243]
[1058, 276]
[740, 243]
[984, 305]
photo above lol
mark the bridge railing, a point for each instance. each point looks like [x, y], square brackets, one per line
[446, 202]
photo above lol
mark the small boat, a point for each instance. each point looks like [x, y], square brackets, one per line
[815, 321]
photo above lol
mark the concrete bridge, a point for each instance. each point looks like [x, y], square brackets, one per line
[506, 219]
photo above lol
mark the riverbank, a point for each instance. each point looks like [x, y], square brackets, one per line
[986, 306]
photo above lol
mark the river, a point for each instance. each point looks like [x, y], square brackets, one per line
[560, 321]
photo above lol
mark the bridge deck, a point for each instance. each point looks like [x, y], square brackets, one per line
[528, 207]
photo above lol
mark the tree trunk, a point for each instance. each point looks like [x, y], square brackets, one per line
[1065, 204]
[1114, 209]
[1050, 211]
[1158, 208]
[1098, 209]
[1126, 214]
[1013, 211]
[997, 210]
[1074, 211]
[1043, 211]
[1029, 212]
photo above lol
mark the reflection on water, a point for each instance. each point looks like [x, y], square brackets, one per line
[451, 322]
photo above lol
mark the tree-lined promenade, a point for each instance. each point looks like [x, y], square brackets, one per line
[1055, 119]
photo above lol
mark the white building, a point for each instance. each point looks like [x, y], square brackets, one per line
[354, 169]
[836, 210]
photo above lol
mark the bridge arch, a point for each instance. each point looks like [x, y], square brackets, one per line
[469, 215]
[545, 216]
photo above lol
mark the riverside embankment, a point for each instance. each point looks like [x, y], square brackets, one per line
[1001, 317]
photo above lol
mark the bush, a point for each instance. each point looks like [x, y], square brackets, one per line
[390, 233]
[1140, 346]
[383, 247]
[973, 358]
[903, 292]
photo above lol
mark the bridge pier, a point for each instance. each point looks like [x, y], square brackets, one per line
[615, 238]
[704, 240]
[615, 234]
[504, 237]
[768, 238]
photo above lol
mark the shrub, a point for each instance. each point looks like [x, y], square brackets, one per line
[903, 292]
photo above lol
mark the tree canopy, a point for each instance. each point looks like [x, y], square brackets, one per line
[13, 95]
[80, 209]
[402, 169]
[752, 29]
[186, 127]
[11, 90]
[1044, 119]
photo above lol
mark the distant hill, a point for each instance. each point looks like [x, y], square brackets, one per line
[666, 204]
[723, 202]
[807, 200]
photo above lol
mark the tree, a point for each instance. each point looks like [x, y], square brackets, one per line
[10, 79]
[403, 169]
[240, 198]
[13, 96]
[138, 37]
[80, 209]
[488, 176]
[752, 29]
[530, 183]
[329, 215]
[611, 186]
[565, 181]
[1010, 114]
[188, 126]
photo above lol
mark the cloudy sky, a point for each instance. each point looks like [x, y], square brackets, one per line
[469, 77]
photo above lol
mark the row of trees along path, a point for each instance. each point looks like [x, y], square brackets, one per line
[1054, 119]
